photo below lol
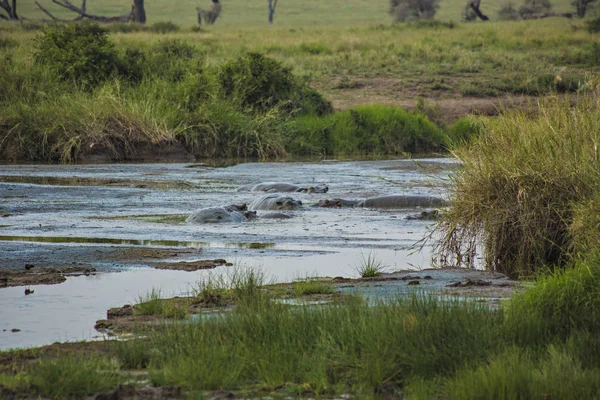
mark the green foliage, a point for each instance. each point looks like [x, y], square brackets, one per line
[558, 304]
[164, 27]
[515, 374]
[355, 347]
[516, 191]
[80, 53]
[153, 304]
[7, 43]
[257, 82]
[409, 10]
[312, 285]
[593, 25]
[463, 130]
[68, 377]
[369, 129]
[370, 266]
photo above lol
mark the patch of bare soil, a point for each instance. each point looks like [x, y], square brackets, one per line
[191, 266]
[30, 275]
[449, 105]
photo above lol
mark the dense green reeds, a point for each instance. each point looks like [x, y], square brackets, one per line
[524, 179]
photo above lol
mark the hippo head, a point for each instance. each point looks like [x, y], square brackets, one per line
[287, 203]
[333, 203]
[249, 215]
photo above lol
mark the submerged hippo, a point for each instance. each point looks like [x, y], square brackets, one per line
[231, 213]
[389, 201]
[274, 187]
[274, 201]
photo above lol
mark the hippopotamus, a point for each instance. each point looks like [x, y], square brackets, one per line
[274, 187]
[274, 201]
[231, 213]
[389, 201]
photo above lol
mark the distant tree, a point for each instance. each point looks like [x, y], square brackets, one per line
[10, 9]
[137, 13]
[581, 6]
[472, 11]
[407, 10]
[535, 7]
[272, 5]
[209, 16]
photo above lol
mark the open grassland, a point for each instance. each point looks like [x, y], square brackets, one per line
[238, 13]
[170, 87]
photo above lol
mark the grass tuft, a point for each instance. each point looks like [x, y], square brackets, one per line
[370, 266]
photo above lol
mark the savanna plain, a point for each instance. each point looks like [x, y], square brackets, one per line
[498, 121]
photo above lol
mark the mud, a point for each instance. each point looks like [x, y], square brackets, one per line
[29, 275]
[194, 265]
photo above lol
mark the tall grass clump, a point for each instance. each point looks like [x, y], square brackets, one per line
[518, 374]
[153, 304]
[73, 377]
[558, 304]
[369, 266]
[514, 197]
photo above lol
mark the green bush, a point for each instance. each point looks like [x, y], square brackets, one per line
[593, 25]
[81, 53]
[257, 82]
[7, 43]
[369, 129]
[164, 27]
[463, 130]
[172, 59]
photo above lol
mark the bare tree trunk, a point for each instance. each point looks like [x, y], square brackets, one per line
[272, 5]
[139, 12]
[82, 12]
[10, 9]
[474, 5]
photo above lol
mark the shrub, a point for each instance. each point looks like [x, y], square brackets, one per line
[363, 130]
[172, 59]
[257, 82]
[463, 131]
[164, 27]
[531, 7]
[7, 43]
[516, 191]
[408, 10]
[593, 25]
[508, 12]
[81, 53]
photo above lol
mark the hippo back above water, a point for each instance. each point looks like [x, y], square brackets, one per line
[402, 201]
[211, 215]
[273, 187]
[389, 201]
[274, 201]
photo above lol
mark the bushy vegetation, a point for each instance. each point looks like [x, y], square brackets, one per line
[364, 130]
[408, 10]
[79, 53]
[523, 178]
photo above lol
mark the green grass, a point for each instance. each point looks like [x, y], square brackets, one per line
[311, 285]
[524, 179]
[66, 377]
[369, 266]
[154, 304]
[542, 342]
[307, 13]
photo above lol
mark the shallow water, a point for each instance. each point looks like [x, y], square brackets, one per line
[107, 226]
